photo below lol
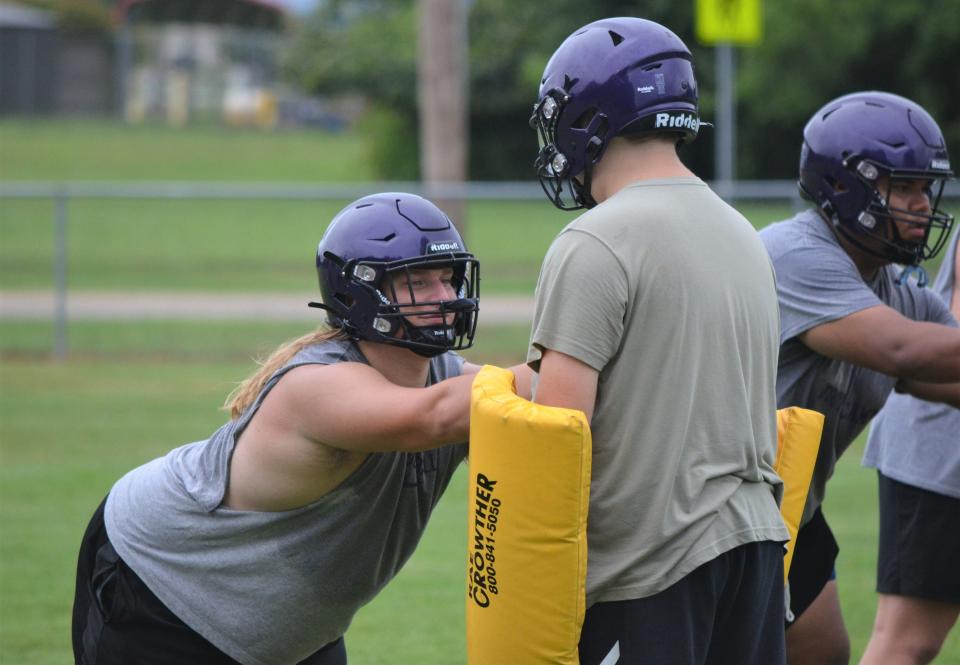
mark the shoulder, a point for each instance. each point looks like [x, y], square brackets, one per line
[307, 378]
[582, 245]
[805, 246]
[805, 230]
[328, 352]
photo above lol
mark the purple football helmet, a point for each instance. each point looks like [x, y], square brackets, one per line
[852, 143]
[617, 76]
[378, 238]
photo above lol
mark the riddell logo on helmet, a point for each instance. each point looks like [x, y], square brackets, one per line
[940, 164]
[435, 247]
[678, 120]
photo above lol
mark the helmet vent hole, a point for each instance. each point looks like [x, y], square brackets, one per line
[616, 38]
[650, 68]
[363, 205]
[893, 144]
[835, 184]
[386, 238]
[568, 82]
[584, 120]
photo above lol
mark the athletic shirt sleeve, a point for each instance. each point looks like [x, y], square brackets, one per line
[580, 302]
[817, 282]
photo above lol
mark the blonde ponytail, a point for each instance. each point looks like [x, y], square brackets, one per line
[245, 393]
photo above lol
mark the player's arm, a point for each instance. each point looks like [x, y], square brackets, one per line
[353, 407]
[522, 377]
[523, 380]
[567, 382]
[882, 339]
[948, 393]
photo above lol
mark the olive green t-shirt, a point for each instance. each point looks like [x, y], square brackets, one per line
[668, 292]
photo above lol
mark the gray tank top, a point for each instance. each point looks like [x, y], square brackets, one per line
[271, 588]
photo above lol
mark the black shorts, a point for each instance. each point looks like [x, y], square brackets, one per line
[728, 610]
[117, 619]
[814, 561]
[919, 542]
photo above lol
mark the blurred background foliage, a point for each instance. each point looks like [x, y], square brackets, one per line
[78, 15]
[812, 51]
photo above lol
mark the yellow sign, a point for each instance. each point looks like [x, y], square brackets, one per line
[728, 22]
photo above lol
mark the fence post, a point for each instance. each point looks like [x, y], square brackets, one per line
[60, 340]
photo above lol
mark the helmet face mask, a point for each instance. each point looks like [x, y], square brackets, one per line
[383, 241]
[858, 151]
[614, 77]
[453, 321]
[881, 216]
[554, 168]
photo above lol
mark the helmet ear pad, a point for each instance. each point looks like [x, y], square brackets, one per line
[355, 305]
[839, 193]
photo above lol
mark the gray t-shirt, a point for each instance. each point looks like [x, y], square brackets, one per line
[271, 588]
[915, 441]
[668, 293]
[817, 282]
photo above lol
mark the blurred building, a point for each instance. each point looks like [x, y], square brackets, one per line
[182, 60]
[173, 60]
[46, 68]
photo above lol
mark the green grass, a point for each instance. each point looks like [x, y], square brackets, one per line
[68, 431]
[233, 245]
[104, 150]
[244, 245]
[260, 245]
[204, 341]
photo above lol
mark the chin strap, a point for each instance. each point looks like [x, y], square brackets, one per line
[922, 277]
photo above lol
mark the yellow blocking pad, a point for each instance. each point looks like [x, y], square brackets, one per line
[798, 441]
[527, 526]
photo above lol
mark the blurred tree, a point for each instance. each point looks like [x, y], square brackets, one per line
[812, 51]
[367, 47]
[815, 50]
[78, 15]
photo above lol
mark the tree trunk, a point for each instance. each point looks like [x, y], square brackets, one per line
[442, 92]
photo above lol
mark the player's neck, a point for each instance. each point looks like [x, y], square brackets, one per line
[867, 263]
[626, 161]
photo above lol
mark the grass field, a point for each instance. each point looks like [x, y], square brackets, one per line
[69, 430]
[219, 245]
[245, 245]
[132, 390]
[98, 150]
[233, 245]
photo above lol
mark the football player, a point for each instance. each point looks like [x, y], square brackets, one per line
[656, 315]
[854, 327]
[259, 543]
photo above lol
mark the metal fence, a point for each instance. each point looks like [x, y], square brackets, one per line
[62, 193]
